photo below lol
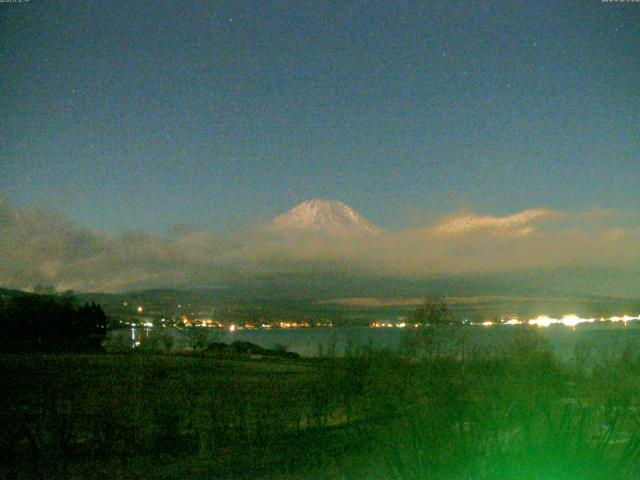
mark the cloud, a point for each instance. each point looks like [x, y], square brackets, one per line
[518, 224]
[531, 239]
[40, 247]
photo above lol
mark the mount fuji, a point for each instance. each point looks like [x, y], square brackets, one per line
[327, 218]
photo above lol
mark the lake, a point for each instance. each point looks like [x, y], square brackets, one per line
[604, 338]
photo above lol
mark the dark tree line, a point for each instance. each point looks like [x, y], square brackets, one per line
[50, 323]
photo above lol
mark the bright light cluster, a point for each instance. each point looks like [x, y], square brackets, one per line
[624, 318]
[569, 320]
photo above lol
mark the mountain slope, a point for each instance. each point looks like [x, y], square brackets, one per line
[329, 218]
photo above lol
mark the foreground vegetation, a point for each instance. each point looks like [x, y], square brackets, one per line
[518, 413]
[433, 409]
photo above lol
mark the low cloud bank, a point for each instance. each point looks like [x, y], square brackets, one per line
[39, 247]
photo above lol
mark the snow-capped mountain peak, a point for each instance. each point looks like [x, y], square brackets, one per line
[330, 218]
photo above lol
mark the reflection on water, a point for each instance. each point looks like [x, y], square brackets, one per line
[606, 339]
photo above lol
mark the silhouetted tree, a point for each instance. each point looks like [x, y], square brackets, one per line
[433, 331]
[433, 312]
[50, 323]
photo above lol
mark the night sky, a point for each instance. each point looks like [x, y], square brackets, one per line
[136, 115]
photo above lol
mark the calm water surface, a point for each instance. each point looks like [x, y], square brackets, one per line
[603, 339]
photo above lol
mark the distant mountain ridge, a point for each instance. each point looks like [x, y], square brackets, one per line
[330, 218]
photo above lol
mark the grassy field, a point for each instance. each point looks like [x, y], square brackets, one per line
[377, 415]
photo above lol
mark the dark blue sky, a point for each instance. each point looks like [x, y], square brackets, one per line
[141, 115]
